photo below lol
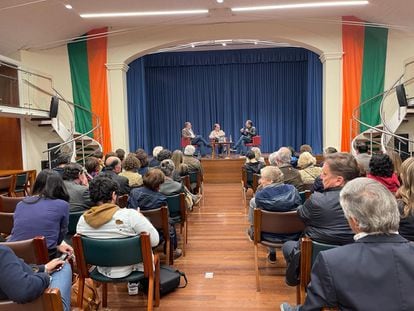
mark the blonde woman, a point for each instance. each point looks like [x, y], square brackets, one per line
[396, 161]
[308, 170]
[406, 201]
[181, 169]
[258, 154]
[131, 164]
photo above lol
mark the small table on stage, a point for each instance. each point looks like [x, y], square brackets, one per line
[216, 143]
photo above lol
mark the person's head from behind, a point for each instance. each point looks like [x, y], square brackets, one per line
[381, 165]
[92, 165]
[108, 155]
[257, 152]
[164, 154]
[142, 157]
[156, 151]
[177, 157]
[306, 159]
[63, 159]
[362, 147]
[406, 190]
[338, 169]
[187, 125]
[273, 158]
[329, 150]
[283, 156]
[153, 179]
[369, 207]
[120, 153]
[113, 164]
[305, 148]
[396, 161]
[131, 163]
[98, 154]
[189, 150]
[102, 190]
[49, 184]
[72, 172]
[270, 175]
[167, 167]
[250, 157]
[249, 123]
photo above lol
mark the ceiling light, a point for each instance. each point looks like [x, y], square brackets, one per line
[300, 5]
[224, 44]
[255, 42]
[193, 45]
[149, 13]
[219, 1]
[68, 6]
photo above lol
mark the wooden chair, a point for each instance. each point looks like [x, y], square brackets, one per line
[308, 251]
[6, 223]
[159, 219]
[50, 300]
[197, 178]
[8, 204]
[22, 185]
[7, 185]
[248, 181]
[123, 201]
[117, 253]
[273, 222]
[256, 142]
[304, 195]
[32, 251]
[178, 215]
[186, 181]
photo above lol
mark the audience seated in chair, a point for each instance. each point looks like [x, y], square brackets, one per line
[143, 158]
[106, 220]
[258, 155]
[131, 166]
[149, 197]
[322, 213]
[373, 273]
[61, 161]
[46, 213]
[406, 199]
[194, 165]
[290, 174]
[112, 169]
[181, 169]
[100, 156]
[77, 186]
[120, 154]
[154, 161]
[381, 169]
[273, 195]
[92, 166]
[252, 165]
[308, 169]
[23, 283]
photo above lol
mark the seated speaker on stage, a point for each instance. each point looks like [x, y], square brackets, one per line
[218, 136]
[198, 140]
[247, 133]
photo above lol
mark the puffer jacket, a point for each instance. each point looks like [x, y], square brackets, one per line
[278, 198]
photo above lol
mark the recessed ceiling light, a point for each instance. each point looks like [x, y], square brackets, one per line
[300, 5]
[220, 1]
[68, 6]
[192, 45]
[153, 13]
[224, 44]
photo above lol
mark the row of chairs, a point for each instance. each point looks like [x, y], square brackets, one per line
[15, 185]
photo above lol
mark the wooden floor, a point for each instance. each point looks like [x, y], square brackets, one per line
[217, 243]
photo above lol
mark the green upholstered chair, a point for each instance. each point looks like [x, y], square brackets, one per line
[309, 250]
[73, 221]
[159, 219]
[116, 253]
[8, 204]
[178, 215]
[196, 178]
[248, 181]
[22, 184]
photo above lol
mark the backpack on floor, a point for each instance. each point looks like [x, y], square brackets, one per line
[170, 279]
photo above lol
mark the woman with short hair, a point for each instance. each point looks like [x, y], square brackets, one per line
[131, 166]
[381, 169]
[308, 171]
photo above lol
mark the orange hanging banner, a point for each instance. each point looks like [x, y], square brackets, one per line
[97, 58]
[353, 48]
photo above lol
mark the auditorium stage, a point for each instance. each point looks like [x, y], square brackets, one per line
[222, 170]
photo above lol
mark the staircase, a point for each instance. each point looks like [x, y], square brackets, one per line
[396, 131]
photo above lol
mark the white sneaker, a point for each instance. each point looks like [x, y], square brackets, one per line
[132, 288]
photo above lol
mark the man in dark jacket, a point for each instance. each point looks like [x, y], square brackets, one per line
[112, 169]
[374, 273]
[22, 283]
[322, 212]
[274, 196]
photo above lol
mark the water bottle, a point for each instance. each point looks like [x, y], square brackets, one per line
[231, 139]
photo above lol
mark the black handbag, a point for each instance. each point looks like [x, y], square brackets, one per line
[170, 279]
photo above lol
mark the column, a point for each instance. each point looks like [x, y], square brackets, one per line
[118, 109]
[332, 98]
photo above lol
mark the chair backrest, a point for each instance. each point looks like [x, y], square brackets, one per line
[255, 182]
[8, 204]
[158, 218]
[196, 177]
[186, 181]
[6, 223]
[304, 195]
[276, 222]
[185, 141]
[73, 221]
[245, 178]
[32, 251]
[123, 200]
[50, 300]
[176, 206]
[6, 184]
[112, 252]
[257, 140]
[22, 180]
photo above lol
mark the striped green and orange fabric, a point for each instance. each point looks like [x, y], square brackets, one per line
[365, 51]
[87, 59]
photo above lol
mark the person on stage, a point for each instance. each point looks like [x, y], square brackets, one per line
[187, 132]
[218, 135]
[247, 133]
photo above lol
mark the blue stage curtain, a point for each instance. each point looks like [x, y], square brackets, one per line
[279, 89]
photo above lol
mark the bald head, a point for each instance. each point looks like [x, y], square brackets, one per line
[114, 163]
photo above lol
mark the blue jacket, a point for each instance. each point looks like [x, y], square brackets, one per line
[146, 199]
[278, 198]
[18, 282]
